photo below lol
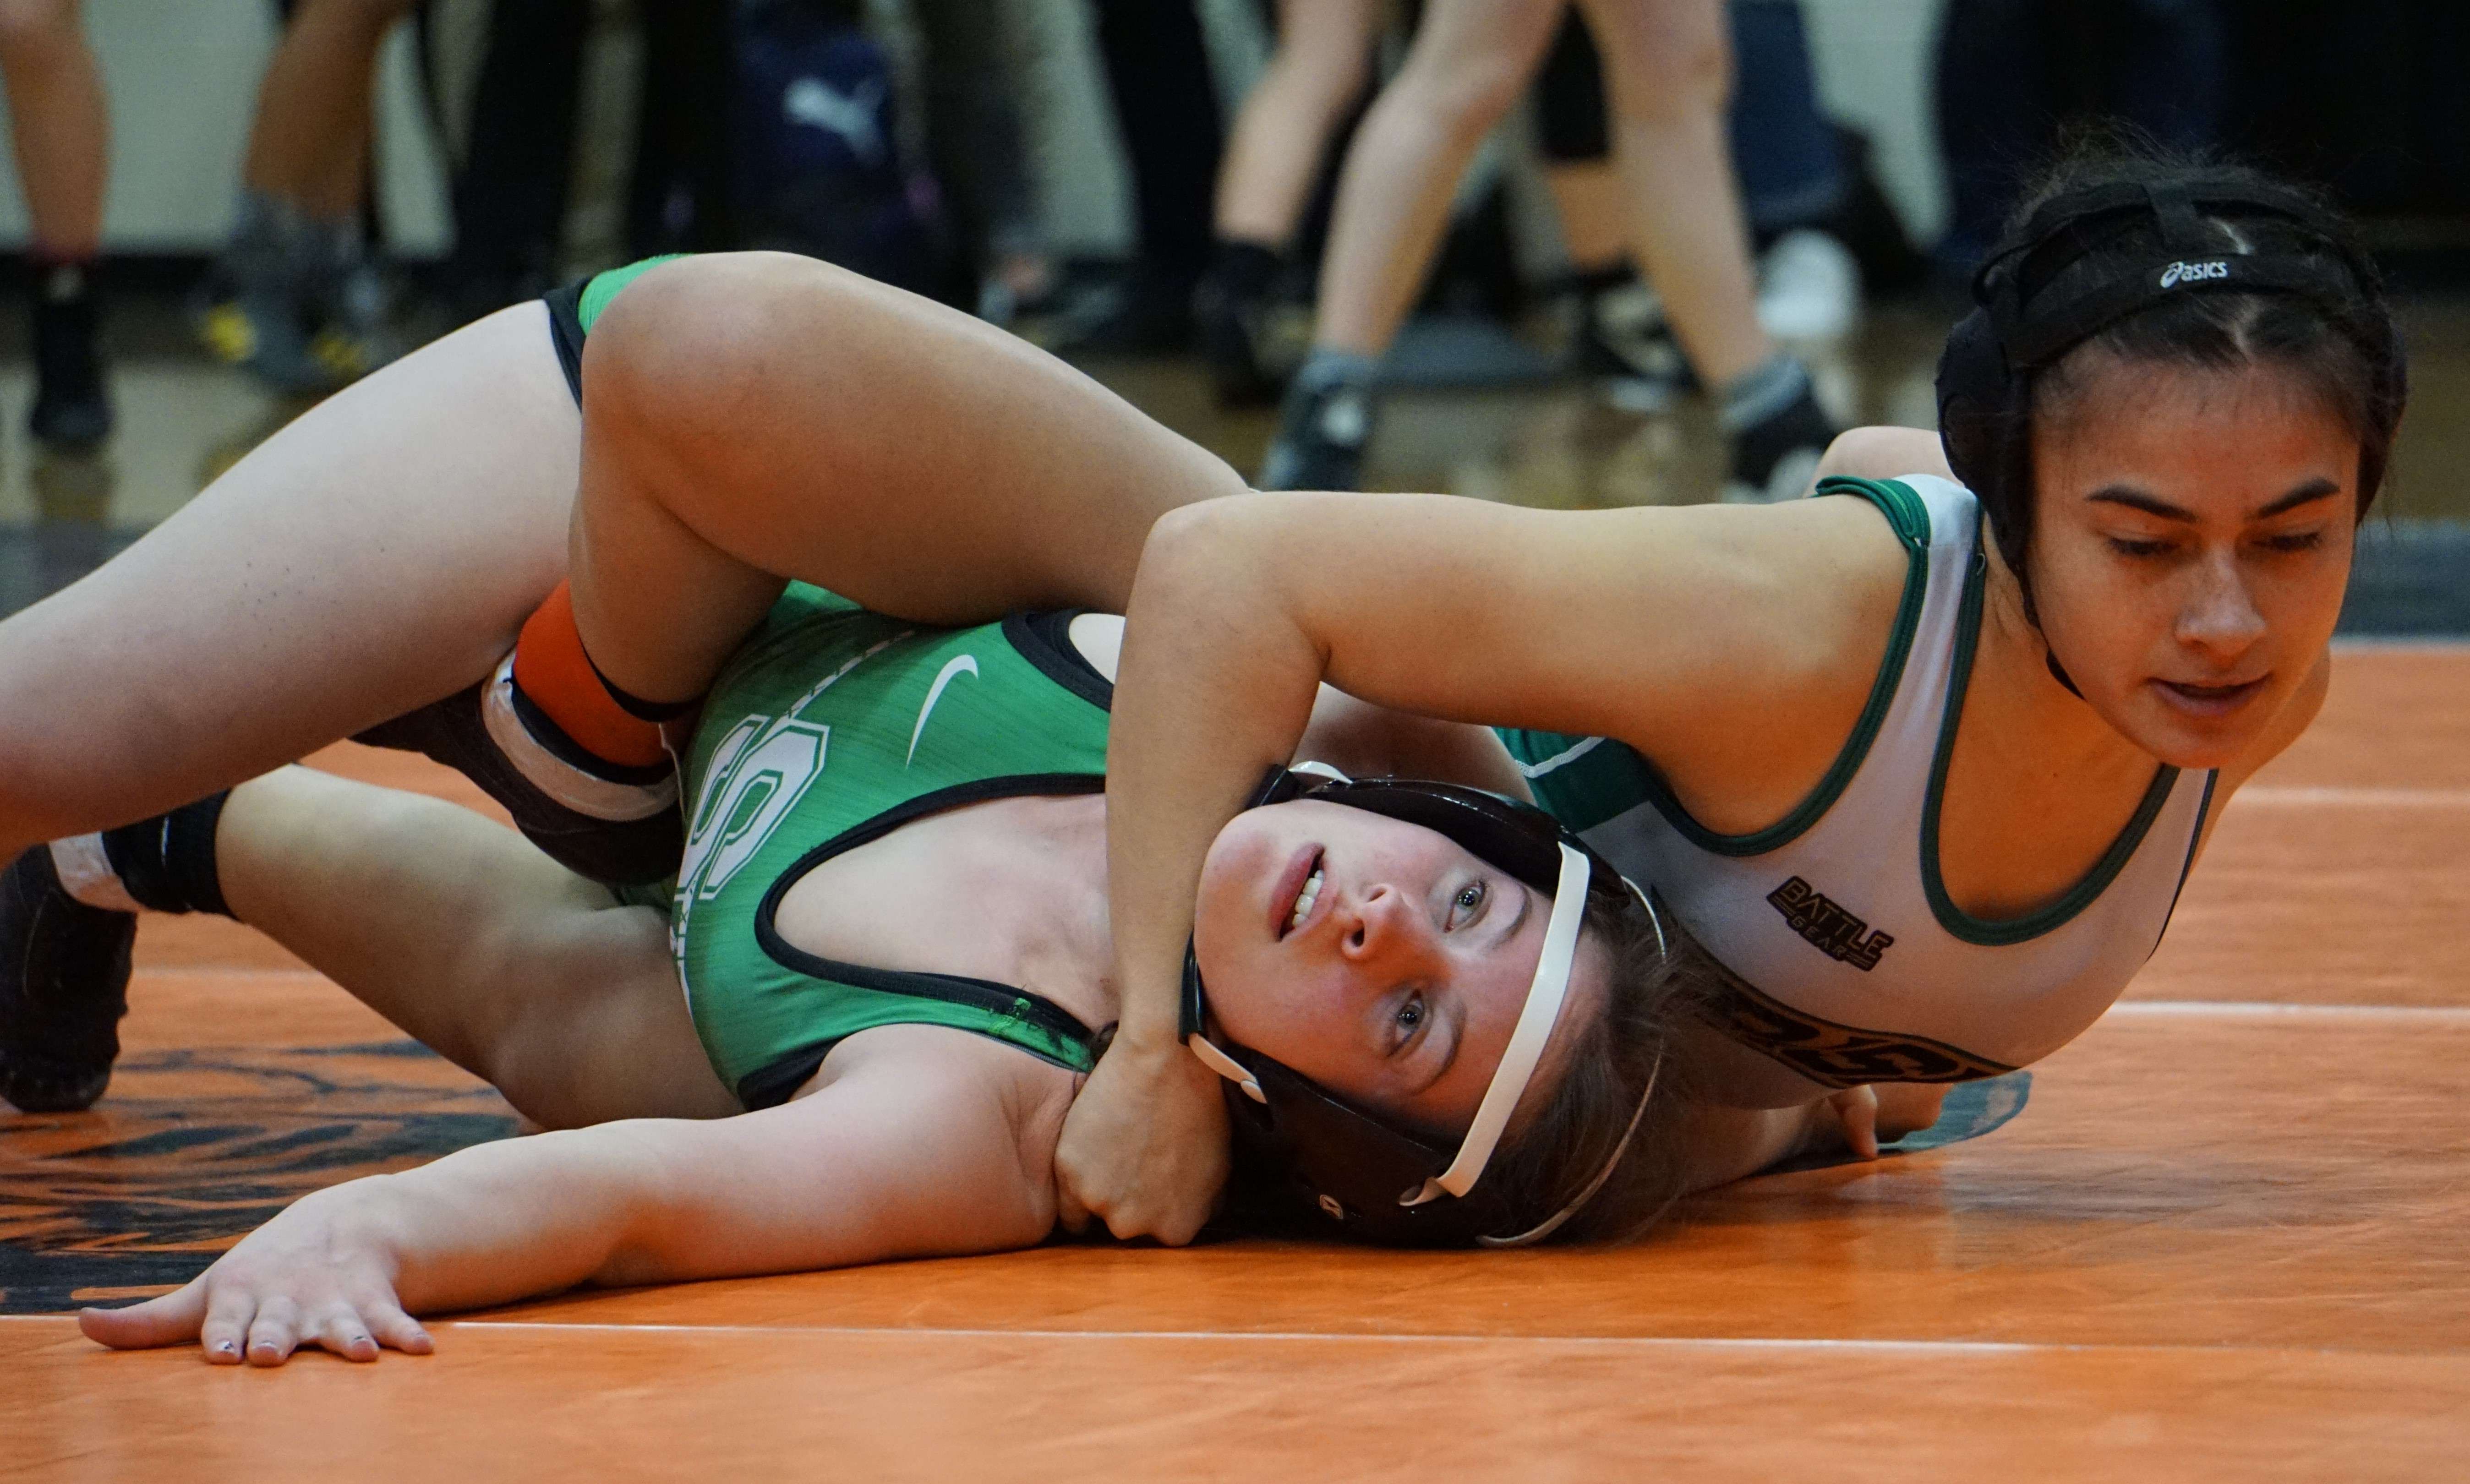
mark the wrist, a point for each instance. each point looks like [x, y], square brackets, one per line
[1153, 1042]
[368, 1216]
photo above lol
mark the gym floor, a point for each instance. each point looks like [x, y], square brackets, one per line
[2222, 1240]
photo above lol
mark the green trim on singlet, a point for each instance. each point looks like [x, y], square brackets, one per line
[1026, 1021]
[605, 287]
[2195, 843]
[1594, 780]
[2005, 932]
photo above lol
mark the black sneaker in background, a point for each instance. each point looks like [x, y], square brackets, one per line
[1776, 458]
[634, 852]
[72, 407]
[63, 988]
[1323, 430]
[1254, 329]
[1624, 346]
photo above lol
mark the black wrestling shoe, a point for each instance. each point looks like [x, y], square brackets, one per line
[1254, 328]
[1321, 434]
[63, 988]
[620, 831]
[72, 407]
[1230, 326]
[1777, 458]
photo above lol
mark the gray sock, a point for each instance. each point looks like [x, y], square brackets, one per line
[1326, 367]
[1763, 391]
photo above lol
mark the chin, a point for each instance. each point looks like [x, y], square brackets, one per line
[2196, 742]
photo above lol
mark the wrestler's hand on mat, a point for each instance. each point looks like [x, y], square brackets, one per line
[1144, 1146]
[1853, 1114]
[316, 1275]
[1907, 1107]
[1880, 1113]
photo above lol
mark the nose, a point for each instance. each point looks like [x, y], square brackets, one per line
[1380, 925]
[2219, 616]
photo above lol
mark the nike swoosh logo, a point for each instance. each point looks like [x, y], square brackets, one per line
[957, 664]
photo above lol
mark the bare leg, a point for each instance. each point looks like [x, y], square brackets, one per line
[1469, 61]
[379, 552]
[758, 416]
[1324, 56]
[458, 931]
[753, 414]
[57, 119]
[1593, 210]
[1667, 69]
[312, 133]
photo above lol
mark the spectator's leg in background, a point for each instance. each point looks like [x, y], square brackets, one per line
[510, 197]
[1322, 68]
[974, 140]
[1323, 63]
[1167, 103]
[58, 124]
[1619, 338]
[1793, 176]
[1668, 64]
[679, 199]
[296, 300]
[1993, 119]
[1792, 170]
[1469, 60]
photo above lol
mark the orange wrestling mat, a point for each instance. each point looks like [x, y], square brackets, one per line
[2229, 1238]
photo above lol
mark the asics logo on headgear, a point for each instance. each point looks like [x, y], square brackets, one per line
[2177, 274]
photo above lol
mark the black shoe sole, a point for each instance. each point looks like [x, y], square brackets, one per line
[63, 988]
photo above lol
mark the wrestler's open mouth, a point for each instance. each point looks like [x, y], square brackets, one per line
[2210, 700]
[1300, 890]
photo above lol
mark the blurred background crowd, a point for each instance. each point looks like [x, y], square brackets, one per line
[1623, 251]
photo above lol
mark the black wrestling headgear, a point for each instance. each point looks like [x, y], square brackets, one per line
[2016, 329]
[1380, 1182]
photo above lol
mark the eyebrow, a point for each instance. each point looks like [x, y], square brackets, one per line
[1526, 905]
[2137, 499]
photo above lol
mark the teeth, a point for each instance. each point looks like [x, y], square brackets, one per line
[1305, 899]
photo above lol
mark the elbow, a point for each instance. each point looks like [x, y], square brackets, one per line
[1882, 453]
[1238, 576]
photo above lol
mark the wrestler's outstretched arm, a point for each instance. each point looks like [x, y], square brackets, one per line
[912, 1147]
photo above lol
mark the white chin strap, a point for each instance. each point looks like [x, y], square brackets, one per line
[1544, 997]
[1225, 1066]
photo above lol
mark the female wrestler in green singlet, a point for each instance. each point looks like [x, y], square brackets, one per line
[890, 929]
